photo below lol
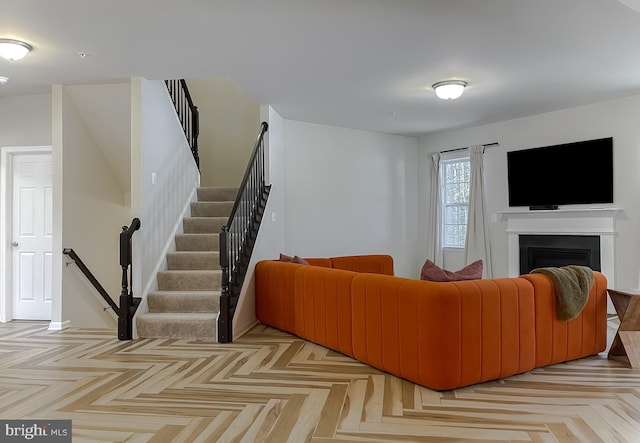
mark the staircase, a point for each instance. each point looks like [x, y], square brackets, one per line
[187, 302]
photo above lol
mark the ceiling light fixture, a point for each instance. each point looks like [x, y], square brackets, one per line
[14, 49]
[449, 89]
[3, 80]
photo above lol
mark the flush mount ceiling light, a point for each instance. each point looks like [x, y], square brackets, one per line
[14, 49]
[449, 89]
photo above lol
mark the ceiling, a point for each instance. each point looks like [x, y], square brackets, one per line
[363, 64]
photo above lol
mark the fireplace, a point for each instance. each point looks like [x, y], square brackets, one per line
[538, 251]
[591, 222]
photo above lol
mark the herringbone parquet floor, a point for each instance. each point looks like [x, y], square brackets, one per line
[269, 386]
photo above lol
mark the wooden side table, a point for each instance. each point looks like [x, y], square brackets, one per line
[626, 344]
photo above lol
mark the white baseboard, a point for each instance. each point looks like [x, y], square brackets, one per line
[59, 326]
[243, 329]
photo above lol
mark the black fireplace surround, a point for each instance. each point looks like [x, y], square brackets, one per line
[539, 251]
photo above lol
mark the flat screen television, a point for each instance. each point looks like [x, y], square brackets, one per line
[567, 174]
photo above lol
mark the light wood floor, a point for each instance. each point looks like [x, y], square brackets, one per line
[269, 386]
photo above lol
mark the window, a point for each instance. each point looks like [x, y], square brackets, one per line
[455, 186]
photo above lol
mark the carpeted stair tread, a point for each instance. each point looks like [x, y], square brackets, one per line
[211, 209]
[187, 302]
[197, 242]
[193, 260]
[184, 301]
[192, 326]
[217, 194]
[203, 225]
[189, 280]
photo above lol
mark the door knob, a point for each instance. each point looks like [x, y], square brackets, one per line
[14, 244]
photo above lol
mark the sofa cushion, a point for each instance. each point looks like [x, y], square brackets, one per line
[432, 272]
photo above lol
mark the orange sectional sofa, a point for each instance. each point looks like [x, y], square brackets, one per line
[440, 335]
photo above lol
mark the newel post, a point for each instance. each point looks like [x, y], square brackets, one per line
[224, 325]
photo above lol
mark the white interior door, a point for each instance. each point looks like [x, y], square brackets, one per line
[32, 231]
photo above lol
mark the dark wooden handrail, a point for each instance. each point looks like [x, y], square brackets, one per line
[92, 279]
[264, 127]
[187, 112]
[238, 236]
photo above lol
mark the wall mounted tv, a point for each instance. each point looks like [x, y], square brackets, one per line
[567, 174]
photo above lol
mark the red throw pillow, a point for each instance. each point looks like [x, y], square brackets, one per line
[432, 272]
[300, 260]
[294, 259]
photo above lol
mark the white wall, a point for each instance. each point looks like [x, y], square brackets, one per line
[334, 192]
[270, 241]
[350, 192]
[619, 119]
[93, 211]
[25, 120]
[164, 178]
[229, 125]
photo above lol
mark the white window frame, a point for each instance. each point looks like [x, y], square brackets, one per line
[448, 158]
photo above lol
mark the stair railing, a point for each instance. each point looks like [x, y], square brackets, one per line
[92, 279]
[128, 303]
[187, 113]
[238, 236]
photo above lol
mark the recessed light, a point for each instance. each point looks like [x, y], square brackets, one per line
[3, 80]
[14, 49]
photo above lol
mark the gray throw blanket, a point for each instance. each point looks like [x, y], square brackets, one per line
[573, 284]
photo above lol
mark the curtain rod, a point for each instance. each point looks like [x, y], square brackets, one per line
[486, 145]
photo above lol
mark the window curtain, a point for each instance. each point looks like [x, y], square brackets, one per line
[435, 252]
[477, 240]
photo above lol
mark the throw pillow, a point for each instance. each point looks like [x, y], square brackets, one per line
[432, 272]
[294, 259]
[300, 260]
[286, 258]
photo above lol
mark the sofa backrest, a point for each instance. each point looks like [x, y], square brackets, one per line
[444, 335]
[374, 263]
[322, 300]
[322, 262]
[275, 288]
[558, 340]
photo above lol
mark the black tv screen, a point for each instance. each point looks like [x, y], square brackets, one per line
[567, 174]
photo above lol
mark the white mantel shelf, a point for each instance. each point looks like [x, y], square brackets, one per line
[580, 212]
[584, 221]
[571, 221]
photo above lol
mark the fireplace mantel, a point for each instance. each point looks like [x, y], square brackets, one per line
[589, 221]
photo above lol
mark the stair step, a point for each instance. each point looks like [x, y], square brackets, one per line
[193, 260]
[217, 194]
[197, 242]
[184, 301]
[191, 326]
[189, 280]
[203, 225]
[211, 209]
